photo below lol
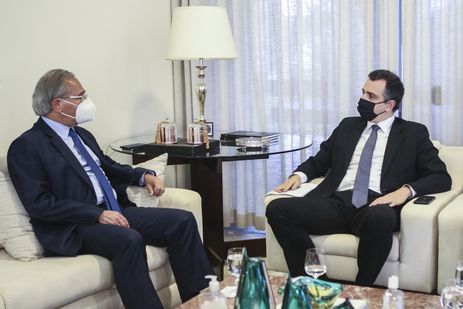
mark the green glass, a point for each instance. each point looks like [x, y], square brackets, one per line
[254, 289]
[323, 293]
[296, 295]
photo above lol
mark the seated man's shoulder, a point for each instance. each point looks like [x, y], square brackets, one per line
[350, 121]
[411, 124]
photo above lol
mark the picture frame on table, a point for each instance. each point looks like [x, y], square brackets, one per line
[210, 128]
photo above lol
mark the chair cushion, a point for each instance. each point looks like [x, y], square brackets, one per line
[138, 194]
[347, 244]
[52, 282]
[16, 234]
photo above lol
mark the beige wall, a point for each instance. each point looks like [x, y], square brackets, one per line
[115, 47]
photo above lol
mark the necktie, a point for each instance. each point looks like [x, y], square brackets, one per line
[110, 200]
[362, 179]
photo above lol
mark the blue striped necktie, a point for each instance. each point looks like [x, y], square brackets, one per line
[108, 193]
[362, 179]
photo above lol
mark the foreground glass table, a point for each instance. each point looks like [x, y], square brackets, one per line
[206, 179]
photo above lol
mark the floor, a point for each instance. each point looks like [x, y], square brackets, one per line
[233, 233]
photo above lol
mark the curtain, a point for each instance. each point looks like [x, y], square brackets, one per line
[433, 66]
[301, 67]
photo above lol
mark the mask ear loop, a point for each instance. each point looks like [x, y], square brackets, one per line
[67, 115]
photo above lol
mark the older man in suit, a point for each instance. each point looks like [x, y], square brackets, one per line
[372, 165]
[76, 198]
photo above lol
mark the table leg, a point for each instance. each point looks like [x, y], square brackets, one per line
[206, 179]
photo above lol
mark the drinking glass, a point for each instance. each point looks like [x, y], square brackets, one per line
[315, 265]
[452, 295]
[459, 273]
[234, 261]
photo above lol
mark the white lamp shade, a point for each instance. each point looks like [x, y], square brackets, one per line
[200, 32]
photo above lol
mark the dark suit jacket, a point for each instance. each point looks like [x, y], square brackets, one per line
[410, 158]
[54, 188]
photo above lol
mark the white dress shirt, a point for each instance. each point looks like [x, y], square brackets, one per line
[347, 182]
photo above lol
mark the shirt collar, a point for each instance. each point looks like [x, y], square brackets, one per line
[384, 125]
[59, 128]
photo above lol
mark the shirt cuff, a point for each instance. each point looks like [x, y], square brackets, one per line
[302, 175]
[411, 190]
[141, 182]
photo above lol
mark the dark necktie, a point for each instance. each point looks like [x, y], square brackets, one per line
[110, 200]
[362, 179]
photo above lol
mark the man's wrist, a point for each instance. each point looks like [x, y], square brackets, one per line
[411, 192]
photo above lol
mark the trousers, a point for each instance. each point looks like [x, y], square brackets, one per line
[174, 229]
[293, 219]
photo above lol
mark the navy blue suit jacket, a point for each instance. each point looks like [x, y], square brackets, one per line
[55, 189]
[410, 158]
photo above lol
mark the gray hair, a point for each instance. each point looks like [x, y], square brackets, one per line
[50, 86]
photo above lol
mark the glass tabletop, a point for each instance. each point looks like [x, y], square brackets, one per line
[285, 143]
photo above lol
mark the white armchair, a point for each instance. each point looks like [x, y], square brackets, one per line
[413, 256]
[28, 280]
[450, 240]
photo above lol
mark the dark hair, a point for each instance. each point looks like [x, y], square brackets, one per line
[394, 87]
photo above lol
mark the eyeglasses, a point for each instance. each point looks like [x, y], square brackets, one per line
[76, 97]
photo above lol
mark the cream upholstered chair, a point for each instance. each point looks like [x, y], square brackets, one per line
[413, 256]
[450, 240]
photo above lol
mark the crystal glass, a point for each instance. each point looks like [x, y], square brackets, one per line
[234, 261]
[254, 290]
[452, 295]
[315, 265]
[296, 295]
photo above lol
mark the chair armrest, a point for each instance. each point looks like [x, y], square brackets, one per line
[418, 242]
[450, 240]
[275, 257]
[184, 199]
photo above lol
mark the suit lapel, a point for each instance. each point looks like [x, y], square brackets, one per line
[64, 150]
[394, 141]
[351, 142]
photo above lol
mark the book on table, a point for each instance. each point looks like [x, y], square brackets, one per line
[230, 137]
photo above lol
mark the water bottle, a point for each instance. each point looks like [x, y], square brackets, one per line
[393, 297]
[459, 273]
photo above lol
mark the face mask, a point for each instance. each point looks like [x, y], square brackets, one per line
[85, 111]
[366, 109]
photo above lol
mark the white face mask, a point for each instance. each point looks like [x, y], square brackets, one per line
[85, 111]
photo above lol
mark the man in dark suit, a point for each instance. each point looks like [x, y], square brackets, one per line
[76, 198]
[402, 163]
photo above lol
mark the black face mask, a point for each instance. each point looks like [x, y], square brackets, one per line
[365, 109]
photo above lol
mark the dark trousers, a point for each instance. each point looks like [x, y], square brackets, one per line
[293, 219]
[172, 228]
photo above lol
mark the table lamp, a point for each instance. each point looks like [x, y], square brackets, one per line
[200, 32]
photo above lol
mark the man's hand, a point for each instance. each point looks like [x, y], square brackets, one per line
[292, 183]
[113, 217]
[396, 198]
[154, 185]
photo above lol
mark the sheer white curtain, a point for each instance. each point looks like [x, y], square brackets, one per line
[301, 68]
[433, 66]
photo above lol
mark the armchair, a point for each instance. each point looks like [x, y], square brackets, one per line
[413, 256]
[29, 280]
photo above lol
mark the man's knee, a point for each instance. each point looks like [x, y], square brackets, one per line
[274, 209]
[380, 218]
[131, 239]
[186, 217]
